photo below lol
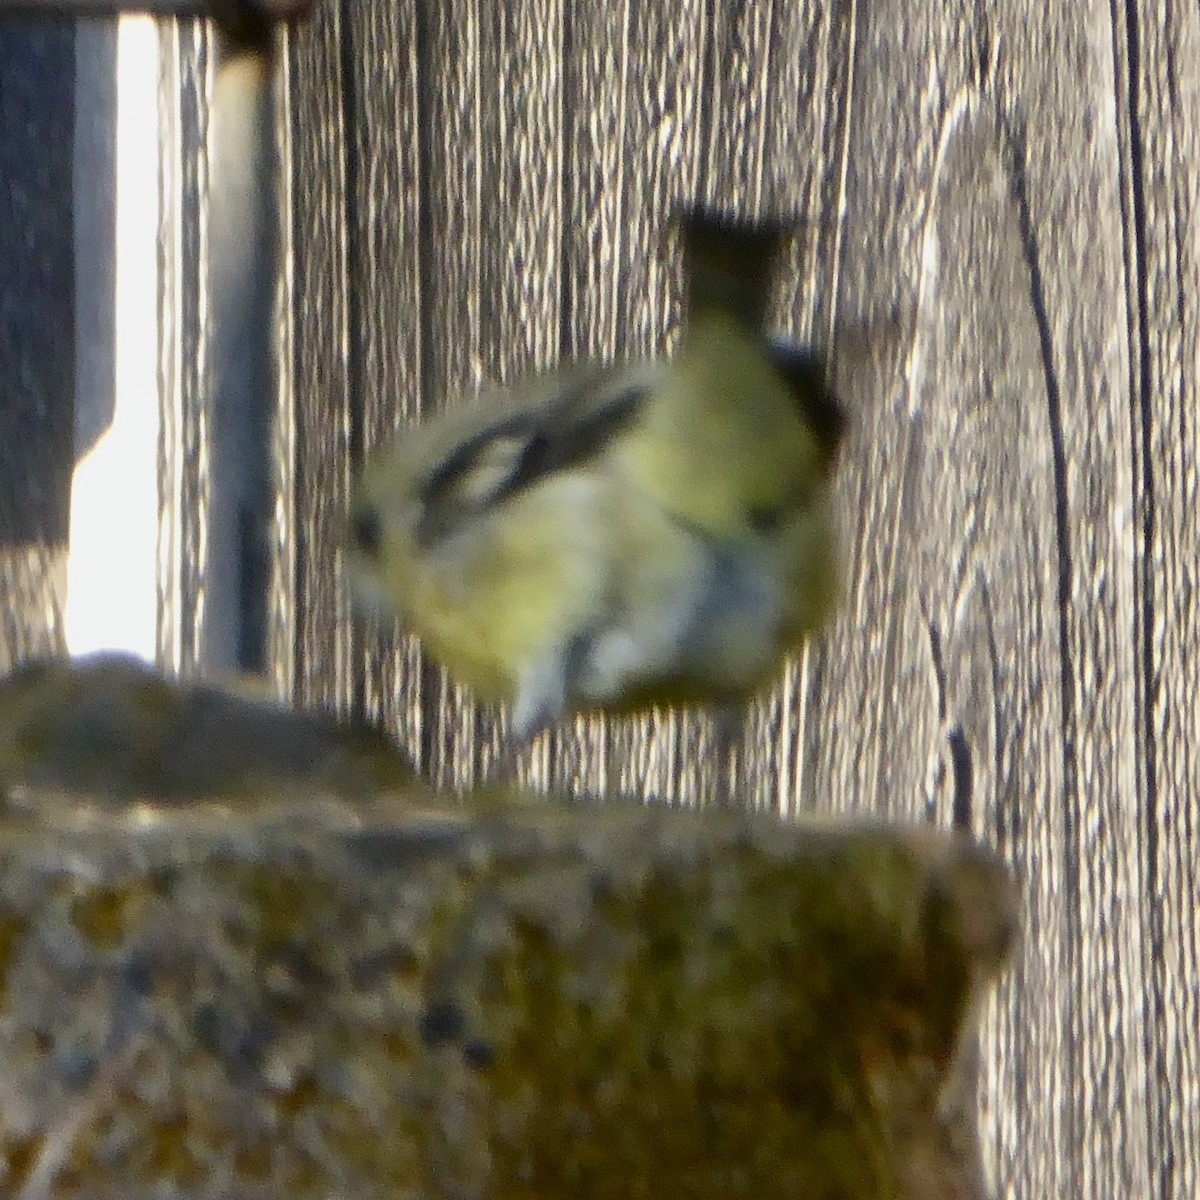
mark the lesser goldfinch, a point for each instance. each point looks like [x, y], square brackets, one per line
[612, 537]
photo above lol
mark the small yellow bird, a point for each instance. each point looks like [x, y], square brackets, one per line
[618, 537]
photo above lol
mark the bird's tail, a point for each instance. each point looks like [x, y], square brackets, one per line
[729, 263]
[729, 266]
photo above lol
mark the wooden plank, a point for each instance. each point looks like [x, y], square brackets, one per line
[635, 87]
[240, 237]
[774, 145]
[456, 169]
[1158, 93]
[218, 271]
[1064, 171]
[281, 623]
[37, 339]
[183, 335]
[452, 156]
[522, 49]
[984, 663]
[33, 579]
[1018, 494]
[492, 194]
[386, 334]
[322, 409]
[735, 117]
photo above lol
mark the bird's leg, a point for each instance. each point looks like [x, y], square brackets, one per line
[504, 769]
[541, 700]
[729, 746]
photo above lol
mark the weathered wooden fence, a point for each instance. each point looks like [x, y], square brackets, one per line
[1001, 246]
[476, 190]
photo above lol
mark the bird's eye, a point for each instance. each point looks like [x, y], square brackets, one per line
[367, 531]
[493, 469]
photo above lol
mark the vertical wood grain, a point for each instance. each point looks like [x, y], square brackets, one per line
[183, 466]
[323, 417]
[523, 52]
[636, 92]
[281, 599]
[459, 168]
[489, 147]
[774, 146]
[1055, 88]
[1156, 48]
[1001, 245]
[241, 237]
[985, 662]
[386, 331]
[37, 333]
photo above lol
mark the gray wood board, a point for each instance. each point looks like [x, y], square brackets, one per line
[37, 339]
[998, 235]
